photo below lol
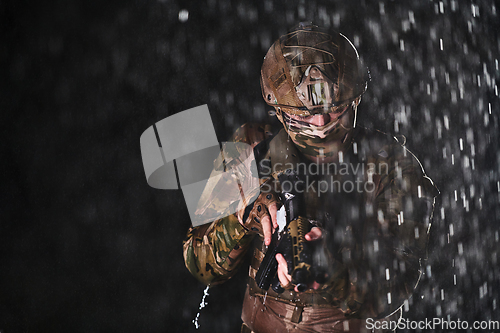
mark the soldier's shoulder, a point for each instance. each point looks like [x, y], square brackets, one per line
[384, 147]
[370, 141]
[392, 150]
[253, 133]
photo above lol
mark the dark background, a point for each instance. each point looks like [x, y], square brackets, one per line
[87, 246]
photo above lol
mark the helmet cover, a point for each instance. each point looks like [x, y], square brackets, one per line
[309, 71]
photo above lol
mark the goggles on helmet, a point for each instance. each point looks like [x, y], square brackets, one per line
[315, 90]
[318, 93]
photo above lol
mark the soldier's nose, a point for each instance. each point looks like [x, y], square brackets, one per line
[320, 119]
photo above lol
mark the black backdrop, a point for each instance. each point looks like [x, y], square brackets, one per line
[87, 246]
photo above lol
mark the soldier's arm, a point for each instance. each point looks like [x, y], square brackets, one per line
[214, 251]
[394, 238]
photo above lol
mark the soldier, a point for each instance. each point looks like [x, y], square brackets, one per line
[366, 197]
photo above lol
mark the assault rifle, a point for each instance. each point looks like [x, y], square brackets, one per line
[289, 240]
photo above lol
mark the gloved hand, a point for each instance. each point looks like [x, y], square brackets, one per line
[283, 275]
[260, 216]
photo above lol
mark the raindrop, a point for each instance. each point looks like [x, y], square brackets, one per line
[381, 8]
[454, 96]
[202, 305]
[453, 5]
[475, 10]
[486, 120]
[380, 215]
[411, 16]
[183, 15]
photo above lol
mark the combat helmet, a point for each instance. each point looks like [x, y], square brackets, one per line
[313, 73]
[285, 79]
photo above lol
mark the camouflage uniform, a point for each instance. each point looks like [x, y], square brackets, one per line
[376, 237]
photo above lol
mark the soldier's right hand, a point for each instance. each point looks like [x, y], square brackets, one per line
[260, 216]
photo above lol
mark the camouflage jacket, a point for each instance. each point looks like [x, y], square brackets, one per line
[375, 204]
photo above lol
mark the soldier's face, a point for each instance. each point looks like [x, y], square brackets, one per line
[321, 136]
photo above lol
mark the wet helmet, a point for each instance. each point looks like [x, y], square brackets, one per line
[308, 72]
[285, 76]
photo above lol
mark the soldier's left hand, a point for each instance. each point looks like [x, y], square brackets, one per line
[283, 276]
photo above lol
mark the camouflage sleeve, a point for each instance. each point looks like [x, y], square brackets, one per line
[394, 238]
[214, 251]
